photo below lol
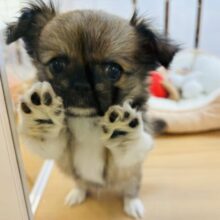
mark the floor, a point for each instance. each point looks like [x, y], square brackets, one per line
[32, 166]
[181, 182]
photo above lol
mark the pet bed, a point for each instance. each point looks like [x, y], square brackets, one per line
[190, 115]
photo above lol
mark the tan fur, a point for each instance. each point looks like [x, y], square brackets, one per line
[110, 39]
[123, 181]
[67, 124]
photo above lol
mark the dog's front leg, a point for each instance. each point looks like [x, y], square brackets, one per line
[124, 136]
[42, 121]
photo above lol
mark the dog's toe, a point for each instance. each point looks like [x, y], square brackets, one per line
[134, 207]
[75, 196]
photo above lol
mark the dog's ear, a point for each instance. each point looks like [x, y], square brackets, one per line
[155, 46]
[30, 23]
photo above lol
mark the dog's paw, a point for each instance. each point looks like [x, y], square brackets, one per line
[75, 196]
[40, 111]
[134, 207]
[123, 134]
[121, 121]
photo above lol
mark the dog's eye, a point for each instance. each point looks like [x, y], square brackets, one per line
[113, 71]
[57, 65]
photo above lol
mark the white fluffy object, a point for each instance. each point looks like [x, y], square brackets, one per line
[203, 75]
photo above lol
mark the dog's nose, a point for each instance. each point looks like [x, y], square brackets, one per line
[81, 87]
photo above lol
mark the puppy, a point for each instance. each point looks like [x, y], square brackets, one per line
[87, 110]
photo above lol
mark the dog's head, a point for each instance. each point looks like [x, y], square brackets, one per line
[91, 58]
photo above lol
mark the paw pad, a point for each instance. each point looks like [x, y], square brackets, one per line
[47, 98]
[113, 116]
[117, 133]
[25, 108]
[126, 115]
[35, 98]
[44, 121]
[134, 123]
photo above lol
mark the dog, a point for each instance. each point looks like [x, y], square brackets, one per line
[88, 108]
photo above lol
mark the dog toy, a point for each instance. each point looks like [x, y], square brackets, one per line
[161, 87]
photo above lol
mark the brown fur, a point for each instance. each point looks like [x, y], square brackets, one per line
[89, 39]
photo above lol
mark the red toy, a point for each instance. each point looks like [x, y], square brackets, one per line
[156, 85]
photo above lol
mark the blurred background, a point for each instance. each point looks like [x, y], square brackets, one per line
[182, 16]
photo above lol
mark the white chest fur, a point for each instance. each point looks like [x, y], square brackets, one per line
[88, 156]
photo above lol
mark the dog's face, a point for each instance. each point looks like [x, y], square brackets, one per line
[91, 58]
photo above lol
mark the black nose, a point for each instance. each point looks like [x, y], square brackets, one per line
[81, 87]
